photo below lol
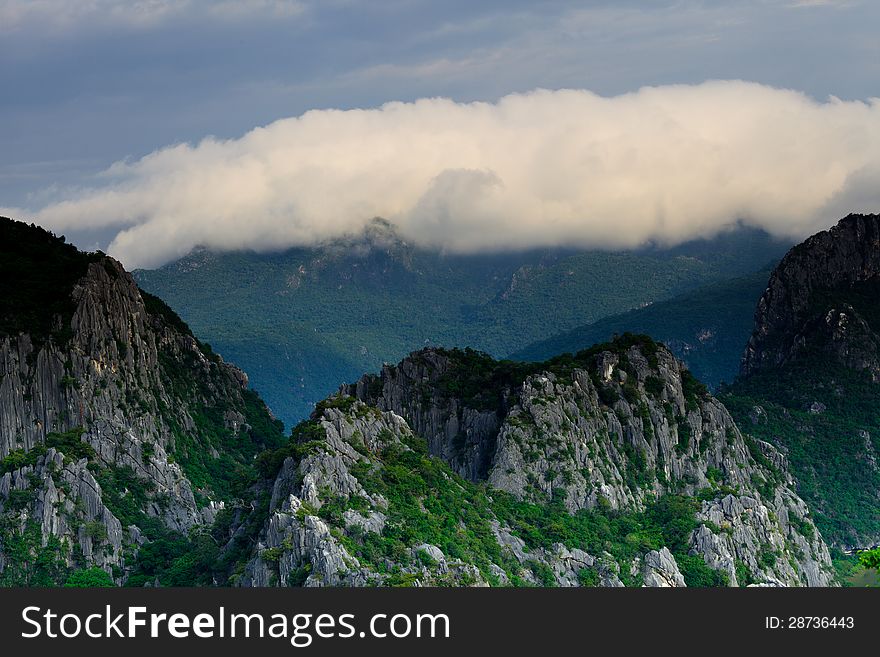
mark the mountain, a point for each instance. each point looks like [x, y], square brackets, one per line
[120, 433]
[304, 320]
[809, 378]
[612, 467]
[705, 328]
[130, 453]
[821, 301]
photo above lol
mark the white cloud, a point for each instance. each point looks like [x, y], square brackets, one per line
[543, 168]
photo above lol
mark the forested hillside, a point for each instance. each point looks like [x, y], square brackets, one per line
[303, 321]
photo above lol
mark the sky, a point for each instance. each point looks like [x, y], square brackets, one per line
[149, 126]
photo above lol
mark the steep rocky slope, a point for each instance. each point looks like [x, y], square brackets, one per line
[821, 297]
[810, 372]
[610, 467]
[129, 446]
[116, 424]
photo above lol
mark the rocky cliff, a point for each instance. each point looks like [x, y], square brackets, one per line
[100, 383]
[821, 299]
[810, 373]
[128, 445]
[452, 468]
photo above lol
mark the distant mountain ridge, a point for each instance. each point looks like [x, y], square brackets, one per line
[705, 328]
[308, 319]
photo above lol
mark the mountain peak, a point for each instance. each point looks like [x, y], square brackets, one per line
[113, 416]
[378, 228]
[378, 234]
[813, 279]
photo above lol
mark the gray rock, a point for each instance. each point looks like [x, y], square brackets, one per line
[659, 569]
[108, 380]
[600, 437]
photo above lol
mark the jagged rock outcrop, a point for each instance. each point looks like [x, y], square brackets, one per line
[304, 544]
[659, 569]
[119, 376]
[771, 539]
[615, 428]
[805, 306]
[64, 500]
[561, 436]
[463, 436]
[565, 564]
[298, 546]
[810, 373]
[106, 379]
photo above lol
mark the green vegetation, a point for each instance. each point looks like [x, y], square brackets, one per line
[588, 577]
[169, 557]
[69, 443]
[870, 558]
[654, 386]
[668, 522]
[851, 571]
[829, 452]
[692, 388]
[89, 579]
[214, 458]
[697, 574]
[428, 503]
[203, 557]
[307, 436]
[155, 306]
[481, 382]
[123, 492]
[706, 327]
[279, 330]
[28, 561]
[18, 458]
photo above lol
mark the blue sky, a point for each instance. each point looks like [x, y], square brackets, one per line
[90, 83]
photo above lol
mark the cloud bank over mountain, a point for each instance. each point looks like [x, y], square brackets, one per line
[544, 168]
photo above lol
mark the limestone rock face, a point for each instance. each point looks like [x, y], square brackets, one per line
[615, 431]
[299, 547]
[124, 381]
[659, 569]
[801, 308]
[620, 428]
[552, 433]
[302, 545]
[463, 436]
[65, 503]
